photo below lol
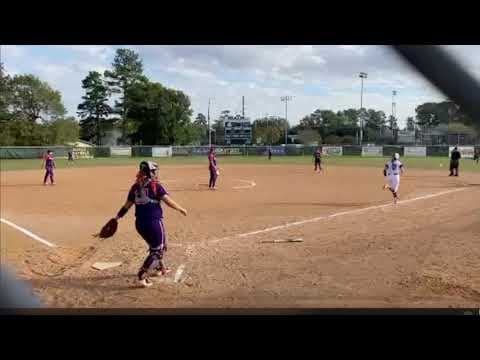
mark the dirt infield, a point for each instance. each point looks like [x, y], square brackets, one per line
[420, 253]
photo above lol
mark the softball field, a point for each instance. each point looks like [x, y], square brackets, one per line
[352, 247]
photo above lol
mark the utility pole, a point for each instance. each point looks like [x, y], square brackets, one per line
[268, 140]
[362, 76]
[243, 107]
[209, 128]
[286, 99]
[394, 116]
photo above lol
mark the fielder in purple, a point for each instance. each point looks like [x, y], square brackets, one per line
[49, 166]
[212, 167]
[317, 155]
[147, 195]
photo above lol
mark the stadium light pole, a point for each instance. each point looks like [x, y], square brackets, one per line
[267, 141]
[286, 99]
[394, 93]
[209, 128]
[362, 76]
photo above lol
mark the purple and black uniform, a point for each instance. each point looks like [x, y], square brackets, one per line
[318, 159]
[212, 161]
[149, 214]
[49, 166]
[454, 162]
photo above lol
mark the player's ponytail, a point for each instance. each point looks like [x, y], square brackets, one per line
[154, 184]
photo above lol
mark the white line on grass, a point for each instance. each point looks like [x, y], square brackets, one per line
[28, 233]
[325, 217]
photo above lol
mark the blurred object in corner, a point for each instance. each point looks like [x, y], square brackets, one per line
[15, 294]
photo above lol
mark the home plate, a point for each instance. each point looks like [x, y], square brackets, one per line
[105, 265]
[283, 240]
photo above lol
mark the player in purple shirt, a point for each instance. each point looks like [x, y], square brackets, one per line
[49, 165]
[147, 194]
[212, 167]
[317, 155]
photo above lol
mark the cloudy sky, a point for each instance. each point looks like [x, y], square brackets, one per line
[324, 76]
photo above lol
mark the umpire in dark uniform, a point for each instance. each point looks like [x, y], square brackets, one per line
[454, 162]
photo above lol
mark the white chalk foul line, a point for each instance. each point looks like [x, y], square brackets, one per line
[250, 183]
[28, 233]
[325, 217]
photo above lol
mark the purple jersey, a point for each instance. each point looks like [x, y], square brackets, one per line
[318, 155]
[147, 201]
[49, 162]
[212, 160]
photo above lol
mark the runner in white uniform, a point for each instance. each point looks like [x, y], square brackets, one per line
[392, 171]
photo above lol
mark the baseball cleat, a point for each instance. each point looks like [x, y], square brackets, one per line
[145, 283]
[161, 272]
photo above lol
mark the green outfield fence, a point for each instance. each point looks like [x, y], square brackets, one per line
[37, 152]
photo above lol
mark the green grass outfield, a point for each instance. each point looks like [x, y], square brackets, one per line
[412, 162]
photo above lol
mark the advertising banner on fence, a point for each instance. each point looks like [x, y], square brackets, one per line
[372, 151]
[121, 151]
[332, 150]
[204, 150]
[276, 150]
[82, 153]
[466, 151]
[161, 151]
[415, 151]
[228, 151]
[201, 150]
[180, 151]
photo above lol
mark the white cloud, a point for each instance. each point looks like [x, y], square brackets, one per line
[358, 49]
[318, 59]
[101, 52]
[12, 51]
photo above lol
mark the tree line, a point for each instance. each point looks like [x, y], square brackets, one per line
[122, 98]
[146, 112]
[32, 113]
[330, 127]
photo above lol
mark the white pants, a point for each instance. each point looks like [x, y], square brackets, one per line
[394, 182]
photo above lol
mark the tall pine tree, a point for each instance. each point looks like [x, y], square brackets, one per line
[127, 70]
[94, 110]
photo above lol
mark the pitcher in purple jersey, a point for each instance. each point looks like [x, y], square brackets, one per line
[49, 165]
[147, 194]
[212, 167]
